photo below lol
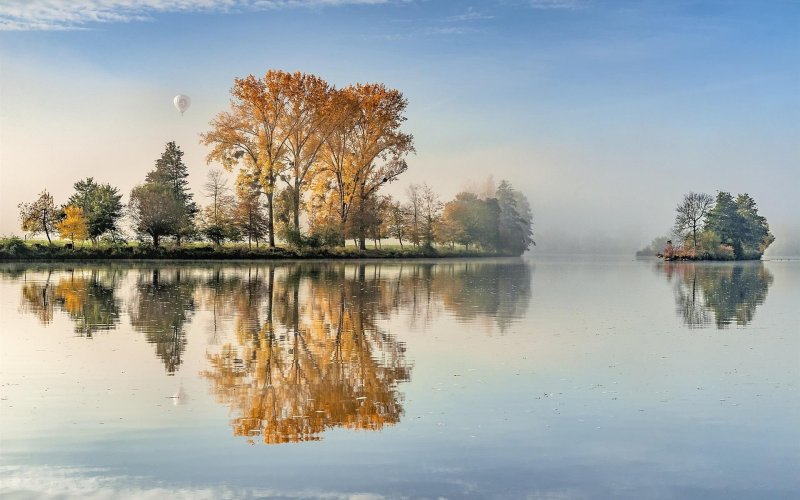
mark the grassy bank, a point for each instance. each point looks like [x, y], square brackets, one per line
[15, 249]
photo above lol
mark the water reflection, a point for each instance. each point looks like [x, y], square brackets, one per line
[161, 307]
[87, 296]
[721, 294]
[314, 360]
[293, 349]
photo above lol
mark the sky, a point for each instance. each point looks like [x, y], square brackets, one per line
[604, 113]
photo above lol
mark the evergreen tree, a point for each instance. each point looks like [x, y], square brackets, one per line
[516, 219]
[170, 171]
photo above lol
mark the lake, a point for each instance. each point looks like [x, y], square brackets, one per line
[538, 378]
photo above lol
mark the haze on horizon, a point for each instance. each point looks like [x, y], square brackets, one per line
[603, 113]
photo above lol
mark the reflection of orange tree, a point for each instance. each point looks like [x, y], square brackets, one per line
[87, 297]
[162, 304]
[731, 291]
[316, 361]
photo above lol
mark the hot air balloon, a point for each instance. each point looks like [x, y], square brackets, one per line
[182, 102]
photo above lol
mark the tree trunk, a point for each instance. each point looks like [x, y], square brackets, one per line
[296, 202]
[270, 224]
[362, 242]
[400, 239]
[155, 240]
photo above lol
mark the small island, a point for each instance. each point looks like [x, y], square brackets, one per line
[311, 162]
[709, 228]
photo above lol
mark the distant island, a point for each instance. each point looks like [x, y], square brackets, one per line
[311, 161]
[708, 228]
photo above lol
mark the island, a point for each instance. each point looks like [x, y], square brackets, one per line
[714, 228]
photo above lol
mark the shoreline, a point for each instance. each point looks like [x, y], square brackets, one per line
[189, 254]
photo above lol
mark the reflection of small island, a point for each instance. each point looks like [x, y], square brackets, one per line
[725, 228]
[728, 292]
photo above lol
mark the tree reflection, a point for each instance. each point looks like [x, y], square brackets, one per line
[474, 290]
[161, 306]
[87, 296]
[316, 359]
[729, 292]
[294, 348]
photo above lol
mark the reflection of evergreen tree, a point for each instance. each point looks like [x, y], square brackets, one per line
[732, 292]
[162, 305]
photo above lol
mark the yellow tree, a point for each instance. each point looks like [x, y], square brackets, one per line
[74, 226]
[308, 121]
[366, 148]
[252, 134]
[314, 361]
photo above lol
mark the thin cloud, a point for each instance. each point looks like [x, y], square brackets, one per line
[556, 4]
[50, 15]
[470, 15]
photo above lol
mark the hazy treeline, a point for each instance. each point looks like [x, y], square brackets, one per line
[310, 162]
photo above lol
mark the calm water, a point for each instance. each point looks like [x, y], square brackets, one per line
[515, 378]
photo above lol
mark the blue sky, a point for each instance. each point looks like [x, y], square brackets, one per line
[603, 112]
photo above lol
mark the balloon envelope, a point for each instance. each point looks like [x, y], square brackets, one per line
[182, 102]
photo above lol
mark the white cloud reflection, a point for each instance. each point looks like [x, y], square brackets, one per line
[50, 482]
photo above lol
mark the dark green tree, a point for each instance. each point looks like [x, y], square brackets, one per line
[755, 229]
[737, 223]
[172, 172]
[101, 204]
[163, 304]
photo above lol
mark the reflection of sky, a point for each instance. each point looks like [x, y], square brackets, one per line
[599, 389]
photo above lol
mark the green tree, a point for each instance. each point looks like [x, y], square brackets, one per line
[154, 210]
[172, 172]
[101, 204]
[40, 216]
[516, 219]
[755, 229]
[738, 224]
[470, 220]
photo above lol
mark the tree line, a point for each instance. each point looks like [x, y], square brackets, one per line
[721, 227]
[303, 151]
